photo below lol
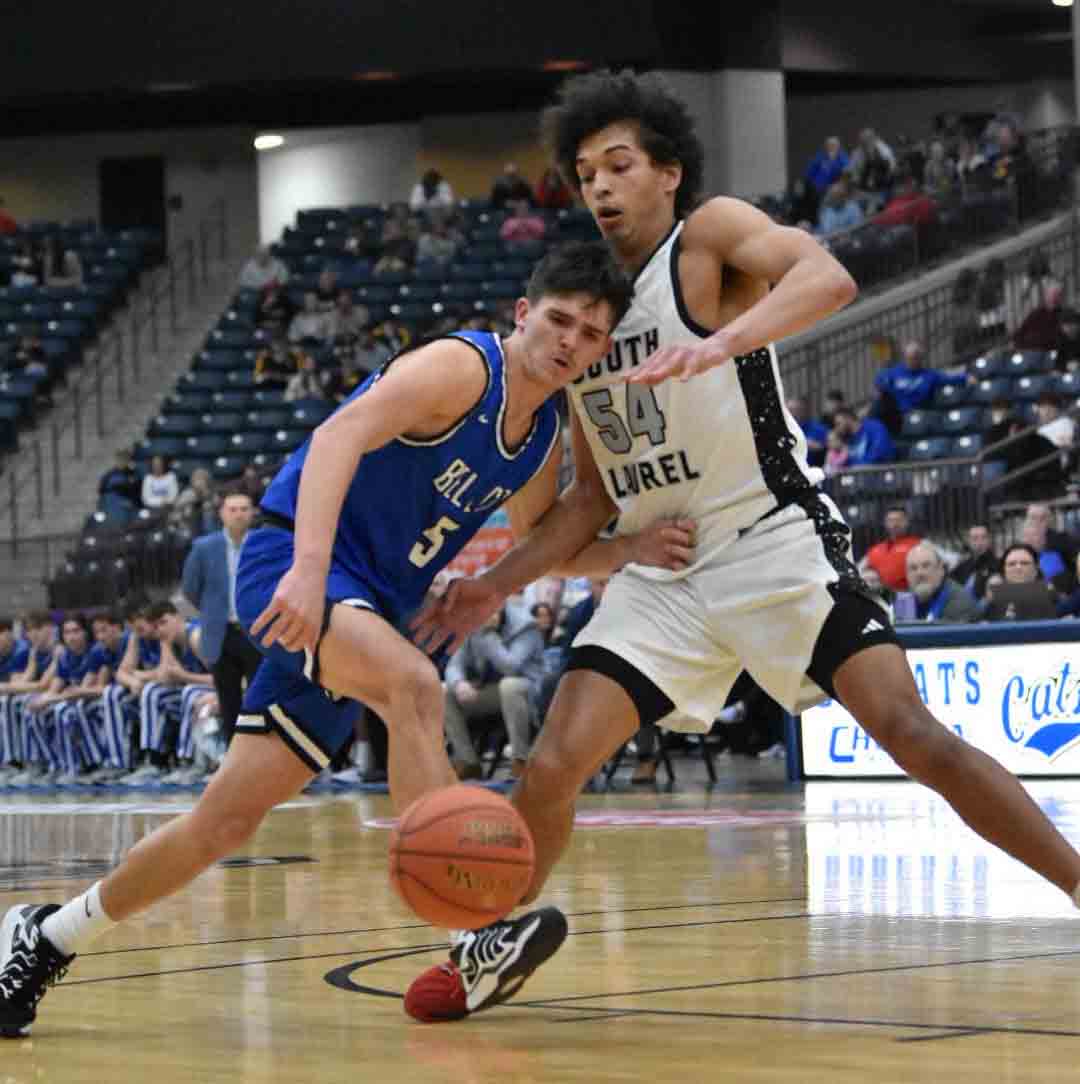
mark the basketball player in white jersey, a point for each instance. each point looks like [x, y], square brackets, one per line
[685, 418]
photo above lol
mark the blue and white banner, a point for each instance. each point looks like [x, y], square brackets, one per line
[1018, 702]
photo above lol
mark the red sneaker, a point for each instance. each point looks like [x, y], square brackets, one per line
[438, 994]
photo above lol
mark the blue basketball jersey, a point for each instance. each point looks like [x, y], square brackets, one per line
[188, 659]
[100, 655]
[72, 668]
[149, 652]
[43, 660]
[413, 504]
[15, 661]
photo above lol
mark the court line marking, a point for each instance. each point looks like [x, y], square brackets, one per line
[426, 926]
[938, 1038]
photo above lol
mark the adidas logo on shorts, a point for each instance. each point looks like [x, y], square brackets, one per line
[873, 625]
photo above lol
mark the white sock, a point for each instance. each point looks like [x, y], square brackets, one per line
[78, 922]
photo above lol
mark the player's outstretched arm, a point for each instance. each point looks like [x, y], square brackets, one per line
[809, 283]
[421, 394]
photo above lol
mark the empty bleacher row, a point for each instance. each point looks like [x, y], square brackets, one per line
[64, 319]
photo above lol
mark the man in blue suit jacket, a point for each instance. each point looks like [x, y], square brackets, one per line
[209, 583]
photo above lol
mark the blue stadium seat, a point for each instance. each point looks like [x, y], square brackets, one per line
[1022, 362]
[250, 442]
[287, 440]
[309, 413]
[527, 251]
[1031, 387]
[419, 291]
[221, 421]
[241, 338]
[430, 271]
[970, 444]
[266, 419]
[239, 380]
[948, 396]
[175, 425]
[186, 402]
[466, 292]
[231, 399]
[228, 466]
[1068, 385]
[378, 293]
[186, 465]
[221, 361]
[263, 397]
[962, 420]
[170, 447]
[204, 381]
[994, 363]
[931, 448]
[500, 290]
[986, 391]
[205, 445]
[473, 271]
[920, 423]
[413, 312]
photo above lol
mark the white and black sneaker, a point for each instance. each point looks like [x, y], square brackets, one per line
[495, 960]
[488, 966]
[29, 965]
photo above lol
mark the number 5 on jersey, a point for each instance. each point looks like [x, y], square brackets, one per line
[644, 417]
[432, 541]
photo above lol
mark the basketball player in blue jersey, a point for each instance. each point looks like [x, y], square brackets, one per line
[41, 632]
[686, 416]
[383, 494]
[98, 712]
[14, 659]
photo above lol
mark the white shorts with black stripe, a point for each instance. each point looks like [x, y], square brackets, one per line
[759, 604]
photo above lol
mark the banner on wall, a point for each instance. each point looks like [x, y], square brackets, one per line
[486, 546]
[1018, 702]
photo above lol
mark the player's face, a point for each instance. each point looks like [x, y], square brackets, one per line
[107, 633]
[169, 627]
[631, 197]
[74, 637]
[144, 628]
[562, 335]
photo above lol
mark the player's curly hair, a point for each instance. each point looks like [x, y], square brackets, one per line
[587, 103]
[585, 267]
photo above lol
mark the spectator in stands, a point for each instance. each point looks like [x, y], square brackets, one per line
[1033, 283]
[160, 487]
[1024, 595]
[815, 431]
[438, 243]
[802, 204]
[873, 163]
[263, 269]
[196, 507]
[400, 231]
[521, 224]
[494, 671]
[910, 383]
[348, 319]
[889, 557]
[431, 192]
[840, 210]
[868, 440]
[970, 163]
[62, 266]
[1067, 356]
[326, 289]
[827, 166]
[509, 185]
[26, 267]
[311, 324]
[836, 453]
[552, 192]
[120, 489]
[1070, 605]
[872, 582]
[1025, 446]
[1057, 427]
[274, 311]
[834, 400]
[1041, 329]
[277, 363]
[394, 335]
[931, 595]
[390, 263]
[305, 383]
[909, 205]
[1041, 514]
[8, 225]
[1053, 563]
[939, 178]
[250, 483]
[980, 564]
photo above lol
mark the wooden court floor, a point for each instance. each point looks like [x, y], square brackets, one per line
[755, 932]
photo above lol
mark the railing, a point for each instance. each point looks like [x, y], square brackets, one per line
[951, 324]
[115, 365]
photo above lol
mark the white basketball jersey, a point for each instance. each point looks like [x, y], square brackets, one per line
[721, 449]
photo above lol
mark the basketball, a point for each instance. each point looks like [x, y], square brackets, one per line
[461, 857]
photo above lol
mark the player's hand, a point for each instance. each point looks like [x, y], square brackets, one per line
[668, 543]
[294, 616]
[682, 362]
[467, 604]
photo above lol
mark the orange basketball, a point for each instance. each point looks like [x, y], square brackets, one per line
[461, 857]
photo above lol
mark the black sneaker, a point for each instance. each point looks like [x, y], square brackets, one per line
[495, 961]
[29, 965]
